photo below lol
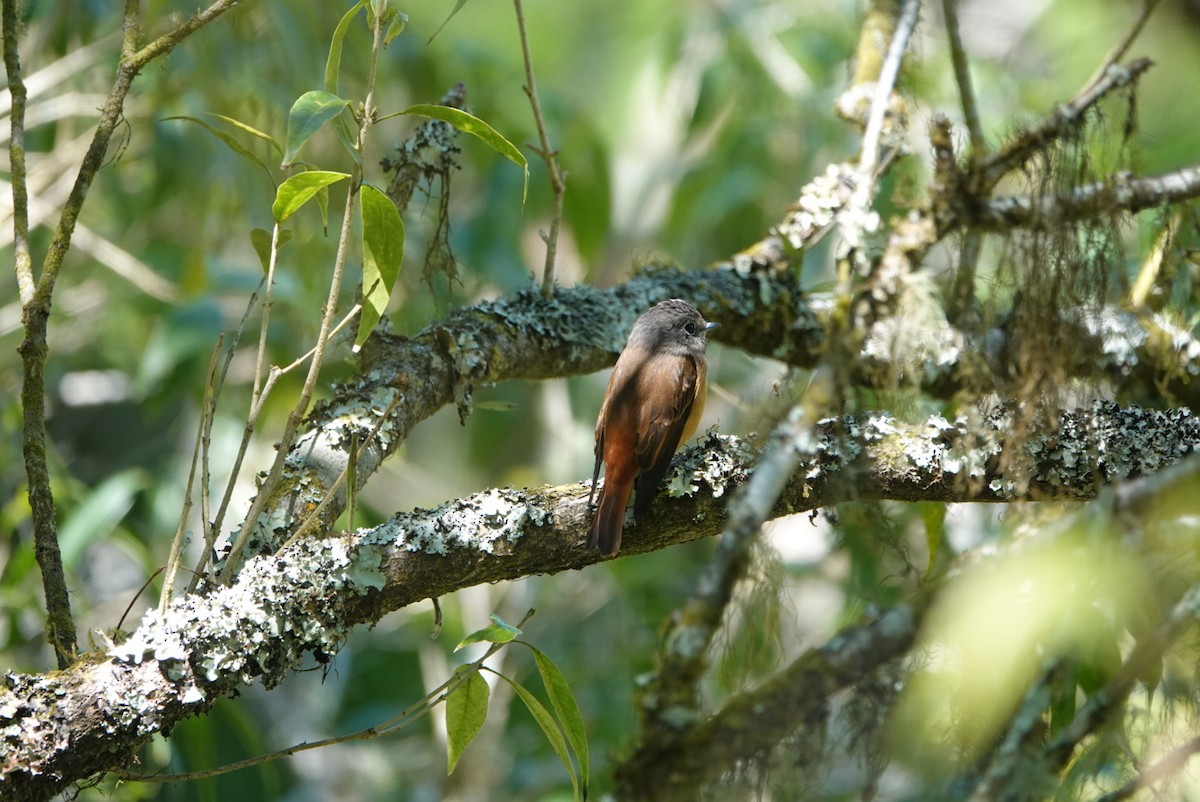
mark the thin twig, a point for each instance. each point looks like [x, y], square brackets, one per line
[351, 459]
[1171, 764]
[548, 154]
[36, 304]
[206, 410]
[1122, 47]
[883, 88]
[402, 719]
[16, 155]
[962, 76]
[249, 525]
[212, 526]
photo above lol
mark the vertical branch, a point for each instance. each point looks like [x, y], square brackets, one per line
[962, 77]
[548, 154]
[964, 279]
[37, 293]
[16, 155]
[249, 525]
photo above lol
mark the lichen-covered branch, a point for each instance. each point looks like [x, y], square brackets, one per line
[1121, 193]
[61, 727]
[580, 330]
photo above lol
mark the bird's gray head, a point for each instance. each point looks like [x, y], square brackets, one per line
[675, 326]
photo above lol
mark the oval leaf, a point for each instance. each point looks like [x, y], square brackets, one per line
[466, 710]
[500, 631]
[566, 708]
[299, 189]
[470, 124]
[310, 111]
[383, 251]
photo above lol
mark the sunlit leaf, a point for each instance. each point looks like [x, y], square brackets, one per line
[310, 111]
[230, 141]
[333, 64]
[566, 708]
[299, 189]
[500, 631]
[383, 252]
[470, 124]
[466, 710]
[546, 721]
[249, 129]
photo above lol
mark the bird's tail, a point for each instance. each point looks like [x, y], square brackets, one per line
[605, 536]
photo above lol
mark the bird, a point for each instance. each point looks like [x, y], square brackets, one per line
[653, 403]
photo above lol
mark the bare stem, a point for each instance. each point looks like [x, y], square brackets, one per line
[38, 292]
[962, 76]
[249, 525]
[548, 154]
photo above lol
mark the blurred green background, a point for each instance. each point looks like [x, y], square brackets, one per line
[685, 128]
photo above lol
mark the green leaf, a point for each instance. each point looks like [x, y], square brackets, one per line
[566, 709]
[249, 129]
[457, 8]
[299, 189]
[99, 513]
[500, 631]
[466, 710]
[398, 24]
[933, 515]
[470, 124]
[383, 252]
[333, 64]
[260, 238]
[229, 140]
[542, 716]
[310, 111]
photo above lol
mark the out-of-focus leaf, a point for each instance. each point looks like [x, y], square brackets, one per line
[229, 140]
[383, 252]
[500, 631]
[100, 513]
[466, 710]
[933, 515]
[398, 23]
[457, 8]
[299, 189]
[310, 111]
[260, 238]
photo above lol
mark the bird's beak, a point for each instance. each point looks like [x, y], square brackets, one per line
[711, 325]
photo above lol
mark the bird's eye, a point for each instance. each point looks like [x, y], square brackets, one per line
[690, 328]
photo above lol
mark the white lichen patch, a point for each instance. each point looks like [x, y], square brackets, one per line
[719, 462]
[488, 521]
[276, 611]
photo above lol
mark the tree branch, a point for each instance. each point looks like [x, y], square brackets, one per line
[61, 727]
